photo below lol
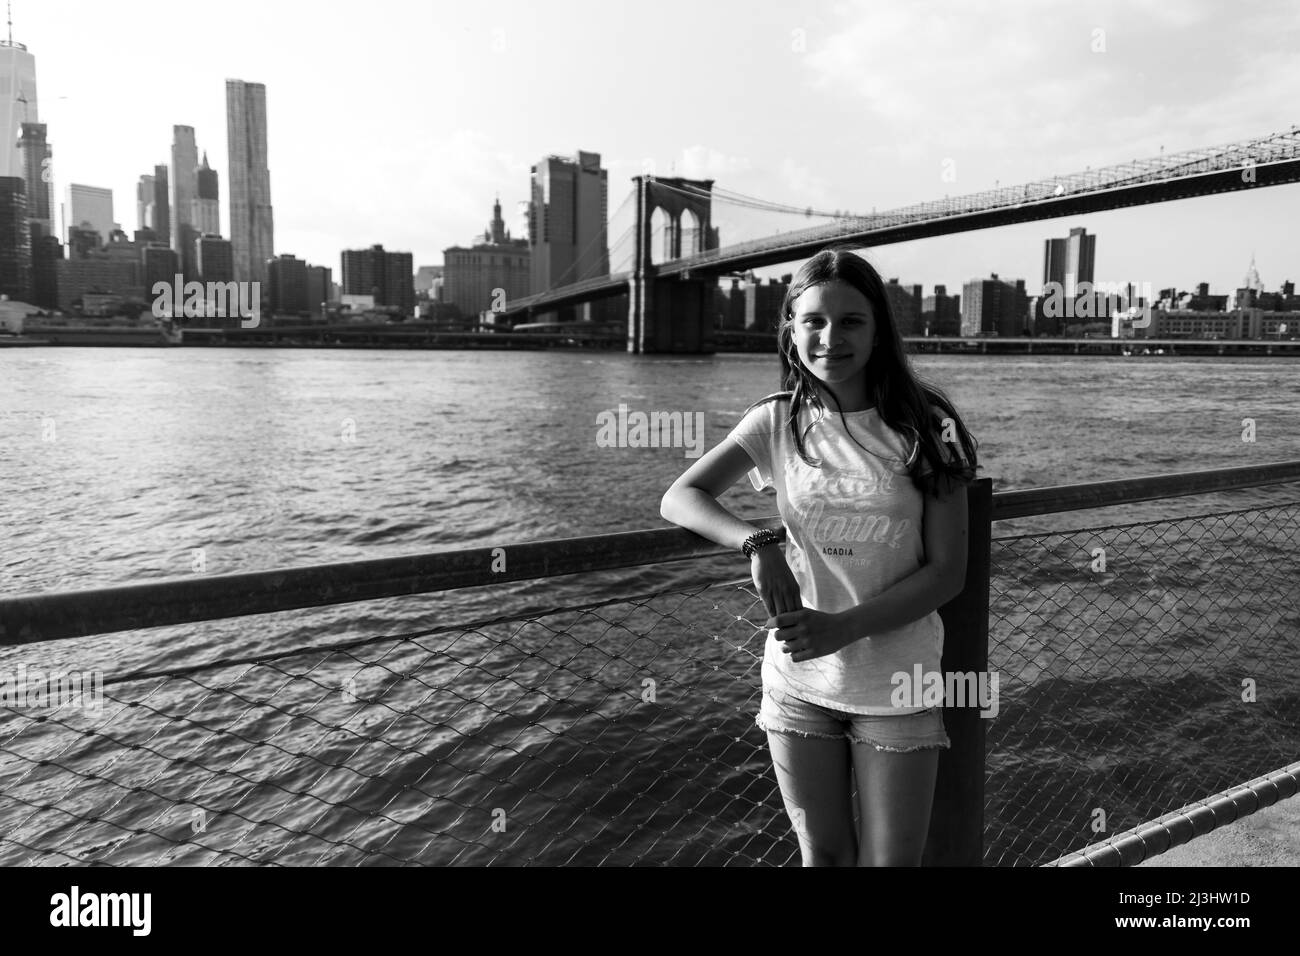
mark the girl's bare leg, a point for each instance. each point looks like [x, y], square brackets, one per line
[895, 794]
[813, 773]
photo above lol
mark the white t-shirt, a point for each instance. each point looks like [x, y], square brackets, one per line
[854, 528]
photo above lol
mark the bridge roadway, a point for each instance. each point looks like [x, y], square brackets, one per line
[903, 226]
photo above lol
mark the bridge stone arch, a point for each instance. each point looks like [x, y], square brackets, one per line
[671, 314]
[663, 193]
[662, 232]
[692, 237]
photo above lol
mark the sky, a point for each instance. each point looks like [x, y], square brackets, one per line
[399, 122]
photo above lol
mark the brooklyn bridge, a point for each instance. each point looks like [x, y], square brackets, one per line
[671, 260]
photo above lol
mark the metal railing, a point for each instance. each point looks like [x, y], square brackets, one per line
[1142, 667]
[1174, 829]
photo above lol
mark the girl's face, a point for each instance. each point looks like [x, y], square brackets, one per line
[835, 330]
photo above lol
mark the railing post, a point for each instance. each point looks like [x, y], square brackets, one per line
[956, 835]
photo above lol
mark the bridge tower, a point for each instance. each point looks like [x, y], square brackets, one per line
[672, 313]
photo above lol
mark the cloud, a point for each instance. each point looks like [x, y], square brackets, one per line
[704, 162]
[1056, 86]
[799, 184]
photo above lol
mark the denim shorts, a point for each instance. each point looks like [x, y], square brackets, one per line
[897, 733]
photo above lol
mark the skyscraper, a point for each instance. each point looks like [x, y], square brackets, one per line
[207, 207]
[93, 205]
[162, 205]
[17, 102]
[567, 228]
[1252, 280]
[252, 227]
[37, 156]
[15, 240]
[567, 221]
[144, 204]
[184, 190]
[1069, 261]
[1249, 293]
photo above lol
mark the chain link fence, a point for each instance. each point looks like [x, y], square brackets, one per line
[513, 741]
[1144, 666]
[1140, 666]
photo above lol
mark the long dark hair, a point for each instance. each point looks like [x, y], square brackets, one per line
[902, 397]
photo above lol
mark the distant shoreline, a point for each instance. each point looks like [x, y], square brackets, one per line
[1091, 350]
[719, 341]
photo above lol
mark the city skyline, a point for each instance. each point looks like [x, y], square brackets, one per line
[426, 190]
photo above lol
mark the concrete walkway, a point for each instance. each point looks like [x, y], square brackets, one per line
[1268, 837]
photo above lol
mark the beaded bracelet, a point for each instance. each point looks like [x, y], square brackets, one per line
[760, 539]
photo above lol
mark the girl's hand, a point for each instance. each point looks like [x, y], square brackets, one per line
[807, 634]
[774, 581]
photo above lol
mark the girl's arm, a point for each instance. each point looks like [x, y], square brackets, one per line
[692, 500]
[939, 580]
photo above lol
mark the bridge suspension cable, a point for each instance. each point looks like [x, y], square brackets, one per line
[752, 202]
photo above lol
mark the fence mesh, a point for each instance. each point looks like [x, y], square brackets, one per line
[607, 734]
[1144, 666]
[621, 732]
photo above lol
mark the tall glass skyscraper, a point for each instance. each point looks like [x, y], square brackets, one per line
[252, 227]
[184, 190]
[17, 103]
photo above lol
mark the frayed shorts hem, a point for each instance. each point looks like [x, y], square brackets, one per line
[902, 733]
[850, 737]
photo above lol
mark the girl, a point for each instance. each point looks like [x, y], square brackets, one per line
[875, 532]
